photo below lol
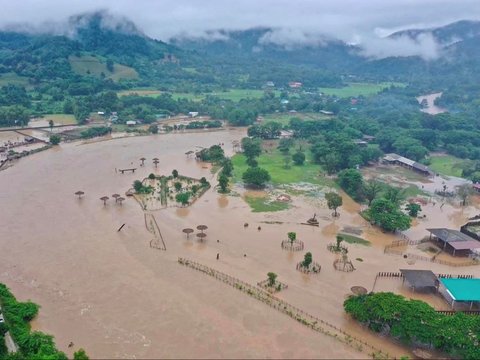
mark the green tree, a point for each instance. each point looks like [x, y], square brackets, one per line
[55, 139]
[252, 148]
[272, 278]
[298, 158]
[110, 65]
[178, 186]
[413, 209]
[351, 181]
[307, 260]
[194, 189]
[183, 198]
[153, 128]
[223, 183]
[334, 201]
[292, 236]
[80, 354]
[138, 186]
[227, 167]
[256, 177]
[371, 189]
[50, 124]
[339, 240]
[203, 181]
[175, 174]
[394, 195]
[387, 215]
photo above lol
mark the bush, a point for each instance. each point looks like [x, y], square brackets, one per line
[55, 139]
[151, 176]
[298, 158]
[255, 176]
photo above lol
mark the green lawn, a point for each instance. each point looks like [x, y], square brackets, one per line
[354, 239]
[264, 204]
[357, 89]
[274, 163]
[61, 119]
[447, 165]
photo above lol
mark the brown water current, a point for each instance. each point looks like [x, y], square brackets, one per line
[109, 292]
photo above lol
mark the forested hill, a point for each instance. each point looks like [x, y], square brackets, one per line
[257, 44]
[98, 51]
[457, 45]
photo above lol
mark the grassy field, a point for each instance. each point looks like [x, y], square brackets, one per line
[357, 89]
[447, 165]
[14, 79]
[62, 119]
[351, 239]
[264, 204]
[284, 118]
[233, 95]
[274, 163]
[88, 64]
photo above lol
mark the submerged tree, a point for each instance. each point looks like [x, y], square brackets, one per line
[307, 260]
[334, 201]
[223, 183]
[292, 236]
[413, 209]
[272, 277]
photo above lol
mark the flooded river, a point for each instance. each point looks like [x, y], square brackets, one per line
[109, 292]
[431, 108]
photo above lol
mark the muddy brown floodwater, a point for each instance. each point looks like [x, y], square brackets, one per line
[431, 108]
[112, 294]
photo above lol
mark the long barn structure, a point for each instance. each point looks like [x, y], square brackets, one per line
[395, 159]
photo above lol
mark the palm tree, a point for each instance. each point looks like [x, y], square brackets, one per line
[116, 196]
[155, 161]
[104, 199]
[142, 159]
[50, 123]
[120, 199]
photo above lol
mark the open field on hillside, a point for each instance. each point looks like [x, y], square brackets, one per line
[12, 78]
[233, 95]
[284, 118]
[357, 89]
[94, 66]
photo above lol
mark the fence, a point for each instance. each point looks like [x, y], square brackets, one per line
[453, 312]
[296, 245]
[152, 226]
[391, 249]
[301, 316]
[388, 274]
[313, 268]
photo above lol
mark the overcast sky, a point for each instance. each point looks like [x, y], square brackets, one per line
[356, 21]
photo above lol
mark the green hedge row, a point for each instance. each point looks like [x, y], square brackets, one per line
[416, 323]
